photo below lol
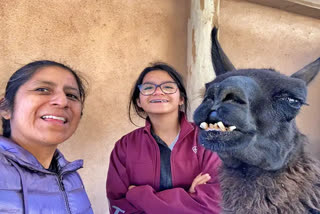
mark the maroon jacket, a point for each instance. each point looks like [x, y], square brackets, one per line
[135, 160]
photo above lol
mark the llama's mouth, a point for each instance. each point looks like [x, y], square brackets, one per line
[219, 127]
[221, 136]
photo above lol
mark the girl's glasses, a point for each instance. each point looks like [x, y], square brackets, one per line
[166, 87]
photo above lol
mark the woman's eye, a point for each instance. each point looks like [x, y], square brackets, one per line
[72, 96]
[42, 89]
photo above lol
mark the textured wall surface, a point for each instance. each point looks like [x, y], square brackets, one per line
[110, 42]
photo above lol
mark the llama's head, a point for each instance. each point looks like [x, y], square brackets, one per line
[248, 116]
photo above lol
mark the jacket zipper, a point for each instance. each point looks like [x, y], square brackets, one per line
[65, 197]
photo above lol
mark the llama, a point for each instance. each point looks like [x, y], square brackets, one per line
[248, 116]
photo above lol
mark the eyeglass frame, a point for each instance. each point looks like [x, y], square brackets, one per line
[157, 86]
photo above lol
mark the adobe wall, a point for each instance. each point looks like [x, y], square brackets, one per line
[110, 42]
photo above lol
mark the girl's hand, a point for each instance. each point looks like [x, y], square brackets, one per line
[200, 179]
[131, 186]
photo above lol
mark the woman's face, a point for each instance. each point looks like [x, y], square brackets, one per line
[47, 108]
[159, 102]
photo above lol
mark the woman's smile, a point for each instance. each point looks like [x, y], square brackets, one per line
[56, 119]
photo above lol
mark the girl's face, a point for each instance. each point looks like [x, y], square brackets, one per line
[47, 108]
[159, 102]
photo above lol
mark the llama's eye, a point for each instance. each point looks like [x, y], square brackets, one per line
[206, 98]
[233, 98]
[293, 102]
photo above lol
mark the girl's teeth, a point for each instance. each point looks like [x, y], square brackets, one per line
[158, 101]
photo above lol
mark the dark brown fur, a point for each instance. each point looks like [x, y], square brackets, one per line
[294, 190]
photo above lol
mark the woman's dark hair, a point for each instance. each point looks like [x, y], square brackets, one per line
[134, 95]
[21, 76]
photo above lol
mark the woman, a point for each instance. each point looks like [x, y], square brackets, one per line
[42, 108]
[160, 168]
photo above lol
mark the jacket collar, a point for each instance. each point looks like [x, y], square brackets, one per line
[185, 126]
[24, 158]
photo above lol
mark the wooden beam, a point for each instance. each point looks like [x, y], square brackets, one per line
[304, 7]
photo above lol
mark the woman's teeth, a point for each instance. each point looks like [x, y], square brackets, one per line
[219, 126]
[54, 117]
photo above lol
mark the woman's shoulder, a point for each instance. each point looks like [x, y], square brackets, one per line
[8, 173]
[3, 161]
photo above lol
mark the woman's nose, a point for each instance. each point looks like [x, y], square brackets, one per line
[60, 99]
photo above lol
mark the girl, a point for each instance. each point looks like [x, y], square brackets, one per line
[160, 168]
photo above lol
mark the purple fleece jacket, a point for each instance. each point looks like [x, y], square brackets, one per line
[135, 160]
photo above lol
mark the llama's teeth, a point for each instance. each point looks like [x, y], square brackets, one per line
[215, 126]
[204, 125]
[231, 128]
[221, 126]
[211, 126]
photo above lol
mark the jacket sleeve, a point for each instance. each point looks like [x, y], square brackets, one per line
[205, 200]
[118, 182]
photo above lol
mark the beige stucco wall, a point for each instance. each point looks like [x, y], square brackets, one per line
[255, 36]
[110, 41]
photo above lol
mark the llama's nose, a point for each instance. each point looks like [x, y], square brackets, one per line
[213, 117]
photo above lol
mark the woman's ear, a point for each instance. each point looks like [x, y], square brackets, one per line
[6, 114]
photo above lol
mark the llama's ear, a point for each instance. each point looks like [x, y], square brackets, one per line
[220, 61]
[308, 72]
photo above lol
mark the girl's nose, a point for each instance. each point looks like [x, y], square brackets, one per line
[158, 91]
